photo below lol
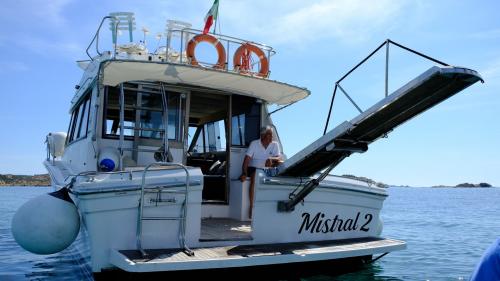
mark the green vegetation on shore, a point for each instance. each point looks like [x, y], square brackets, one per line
[24, 180]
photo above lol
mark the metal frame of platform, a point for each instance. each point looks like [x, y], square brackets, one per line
[425, 91]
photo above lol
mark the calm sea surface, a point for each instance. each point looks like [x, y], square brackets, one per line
[447, 231]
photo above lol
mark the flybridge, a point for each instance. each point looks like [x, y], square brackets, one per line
[242, 66]
[179, 44]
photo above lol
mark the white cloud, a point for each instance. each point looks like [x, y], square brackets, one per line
[50, 48]
[38, 26]
[492, 71]
[487, 34]
[345, 20]
[53, 10]
[39, 12]
[13, 66]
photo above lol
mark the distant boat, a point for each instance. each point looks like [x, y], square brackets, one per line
[153, 154]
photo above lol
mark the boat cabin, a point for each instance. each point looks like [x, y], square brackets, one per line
[200, 127]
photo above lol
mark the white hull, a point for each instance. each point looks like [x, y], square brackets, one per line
[109, 208]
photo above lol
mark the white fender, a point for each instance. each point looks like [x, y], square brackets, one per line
[56, 142]
[46, 224]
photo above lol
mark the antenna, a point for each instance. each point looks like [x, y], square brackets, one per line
[122, 21]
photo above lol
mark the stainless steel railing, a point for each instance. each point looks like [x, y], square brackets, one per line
[386, 43]
[95, 39]
[181, 218]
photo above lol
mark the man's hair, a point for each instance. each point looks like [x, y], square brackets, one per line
[263, 130]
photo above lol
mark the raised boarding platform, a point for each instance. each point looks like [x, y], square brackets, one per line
[223, 229]
[427, 90]
[251, 255]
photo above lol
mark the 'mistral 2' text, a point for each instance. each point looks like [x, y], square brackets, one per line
[318, 223]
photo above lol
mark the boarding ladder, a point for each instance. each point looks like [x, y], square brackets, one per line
[159, 190]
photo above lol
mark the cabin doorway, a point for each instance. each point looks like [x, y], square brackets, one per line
[209, 144]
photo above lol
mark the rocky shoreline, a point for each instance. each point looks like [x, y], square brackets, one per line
[25, 180]
[44, 180]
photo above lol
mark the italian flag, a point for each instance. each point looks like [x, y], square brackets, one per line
[211, 16]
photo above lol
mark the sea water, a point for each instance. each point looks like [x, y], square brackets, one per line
[446, 229]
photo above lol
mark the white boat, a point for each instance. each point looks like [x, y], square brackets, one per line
[187, 210]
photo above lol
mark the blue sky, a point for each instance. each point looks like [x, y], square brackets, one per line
[316, 43]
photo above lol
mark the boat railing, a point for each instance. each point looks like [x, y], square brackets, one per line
[183, 215]
[230, 44]
[386, 43]
[114, 21]
[175, 47]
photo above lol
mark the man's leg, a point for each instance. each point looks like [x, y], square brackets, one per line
[251, 191]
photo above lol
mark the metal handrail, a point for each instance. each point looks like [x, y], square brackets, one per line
[164, 101]
[187, 32]
[192, 31]
[182, 231]
[385, 43]
[96, 36]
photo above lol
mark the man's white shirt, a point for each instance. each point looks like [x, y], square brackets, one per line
[259, 154]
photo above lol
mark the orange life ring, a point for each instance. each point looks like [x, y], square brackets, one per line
[221, 52]
[241, 55]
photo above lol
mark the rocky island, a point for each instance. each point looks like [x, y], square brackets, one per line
[467, 185]
[483, 184]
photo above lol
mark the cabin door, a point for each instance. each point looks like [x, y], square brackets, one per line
[209, 143]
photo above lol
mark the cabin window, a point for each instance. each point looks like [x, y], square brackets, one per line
[143, 113]
[210, 138]
[85, 119]
[245, 122]
[150, 115]
[71, 125]
[78, 126]
[238, 130]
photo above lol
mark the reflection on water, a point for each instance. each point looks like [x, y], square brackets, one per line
[368, 272]
[447, 230]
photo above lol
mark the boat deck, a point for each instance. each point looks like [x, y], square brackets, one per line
[223, 229]
[251, 255]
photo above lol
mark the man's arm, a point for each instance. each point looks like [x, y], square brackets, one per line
[277, 158]
[244, 168]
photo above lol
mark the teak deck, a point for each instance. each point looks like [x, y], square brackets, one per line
[251, 255]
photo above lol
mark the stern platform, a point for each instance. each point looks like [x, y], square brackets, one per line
[159, 260]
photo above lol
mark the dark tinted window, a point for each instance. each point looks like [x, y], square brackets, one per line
[245, 122]
[79, 120]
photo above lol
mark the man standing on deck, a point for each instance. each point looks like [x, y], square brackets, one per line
[263, 152]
